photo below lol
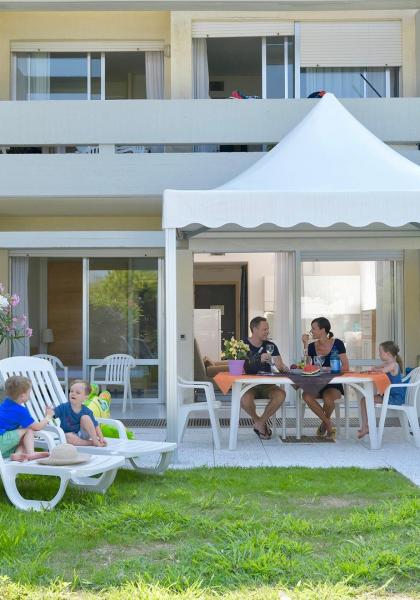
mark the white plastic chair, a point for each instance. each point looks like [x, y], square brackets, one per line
[58, 366]
[407, 412]
[211, 405]
[117, 372]
[46, 390]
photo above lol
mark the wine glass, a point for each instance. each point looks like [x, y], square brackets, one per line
[318, 361]
[269, 348]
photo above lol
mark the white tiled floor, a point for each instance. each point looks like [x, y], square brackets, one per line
[197, 450]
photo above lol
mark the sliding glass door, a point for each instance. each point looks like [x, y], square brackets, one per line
[360, 298]
[88, 75]
[122, 315]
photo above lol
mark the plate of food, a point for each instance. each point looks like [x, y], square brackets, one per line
[311, 370]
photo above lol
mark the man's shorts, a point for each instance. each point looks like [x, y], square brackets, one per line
[264, 391]
[83, 435]
[9, 441]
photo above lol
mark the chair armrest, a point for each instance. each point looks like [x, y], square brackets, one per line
[195, 385]
[52, 431]
[49, 437]
[93, 369]
[114, 423]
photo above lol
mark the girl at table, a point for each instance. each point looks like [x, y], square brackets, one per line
[392, 365]
[323, 344]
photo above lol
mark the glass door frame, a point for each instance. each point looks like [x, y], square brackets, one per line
[285, 64]
[159, 361]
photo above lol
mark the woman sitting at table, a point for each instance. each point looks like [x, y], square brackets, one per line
[323, 344]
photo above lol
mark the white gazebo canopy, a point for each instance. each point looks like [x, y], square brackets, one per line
[329, 169]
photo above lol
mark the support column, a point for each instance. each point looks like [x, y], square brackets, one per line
[181, 55]
[171, 336]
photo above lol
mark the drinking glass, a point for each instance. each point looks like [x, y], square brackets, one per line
[318, 361]
[270, 349]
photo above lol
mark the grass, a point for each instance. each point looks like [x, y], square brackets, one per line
[218, 533]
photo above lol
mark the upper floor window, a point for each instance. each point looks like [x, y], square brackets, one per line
[351, 82]
[88, 75]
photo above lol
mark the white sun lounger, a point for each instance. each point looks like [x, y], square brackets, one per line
[47, 390]
[79, 475]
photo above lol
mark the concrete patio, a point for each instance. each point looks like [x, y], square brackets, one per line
[197, 450]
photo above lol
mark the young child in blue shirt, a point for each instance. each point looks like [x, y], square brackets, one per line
[392, 365]
[77, 420]
[17, 425]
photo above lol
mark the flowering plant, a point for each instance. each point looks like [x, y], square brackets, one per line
[235, 349]
[11, 328]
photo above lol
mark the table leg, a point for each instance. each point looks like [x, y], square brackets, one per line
[370, 408]
[298, 408]
[234, 415]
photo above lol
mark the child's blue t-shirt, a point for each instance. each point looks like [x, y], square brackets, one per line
[70, 420]
[396, 395]
[13, 416]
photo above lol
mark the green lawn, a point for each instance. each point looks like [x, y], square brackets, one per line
[210, 533]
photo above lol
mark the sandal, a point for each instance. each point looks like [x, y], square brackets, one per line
[331, 435]
[321, 431]
[264, 436]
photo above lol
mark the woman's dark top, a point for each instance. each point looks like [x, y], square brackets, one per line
[338, 345]
[341, 349]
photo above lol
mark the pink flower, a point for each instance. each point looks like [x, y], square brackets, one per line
[28, 332]
[14, 300]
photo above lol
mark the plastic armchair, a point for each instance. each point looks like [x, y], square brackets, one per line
[58, 366]
[117, 372]
[211, 405]
[408, 414]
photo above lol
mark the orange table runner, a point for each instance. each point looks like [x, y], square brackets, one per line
[226, 380]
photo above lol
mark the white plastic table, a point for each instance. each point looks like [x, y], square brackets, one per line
[364, 385]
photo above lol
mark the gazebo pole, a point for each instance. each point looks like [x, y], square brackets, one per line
[171, 336]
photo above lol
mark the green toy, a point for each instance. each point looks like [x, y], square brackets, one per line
[99, 404]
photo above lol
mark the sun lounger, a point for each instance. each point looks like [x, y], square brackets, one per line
[80, 475]
[47, 390]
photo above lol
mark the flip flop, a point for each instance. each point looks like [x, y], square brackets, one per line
[320, 432]
[332, 434]
[262, 436]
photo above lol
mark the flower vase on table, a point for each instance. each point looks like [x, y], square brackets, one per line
[235, 351]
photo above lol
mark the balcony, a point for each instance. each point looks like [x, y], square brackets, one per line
[113, 183]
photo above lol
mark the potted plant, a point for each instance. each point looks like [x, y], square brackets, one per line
[235, 351]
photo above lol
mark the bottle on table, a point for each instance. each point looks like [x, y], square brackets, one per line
[335, 362]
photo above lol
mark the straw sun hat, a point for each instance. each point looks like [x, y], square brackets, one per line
[64, 454]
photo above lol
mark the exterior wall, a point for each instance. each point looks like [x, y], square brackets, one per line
[80, 223]
[412, 306]
[173, 28]
[185, 309]
[89, 25]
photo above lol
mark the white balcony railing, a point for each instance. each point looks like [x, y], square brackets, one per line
[168, 123]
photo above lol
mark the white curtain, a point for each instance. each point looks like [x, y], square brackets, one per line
[39, 76]
[154, 75]
[384, 301]
[284, 306]
[20, 271]
[201, 82]
[200, 69]
[344, 83]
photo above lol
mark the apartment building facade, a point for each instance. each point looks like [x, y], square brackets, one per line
[106, 104]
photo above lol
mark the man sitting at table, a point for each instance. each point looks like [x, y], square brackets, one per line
[259, 360]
